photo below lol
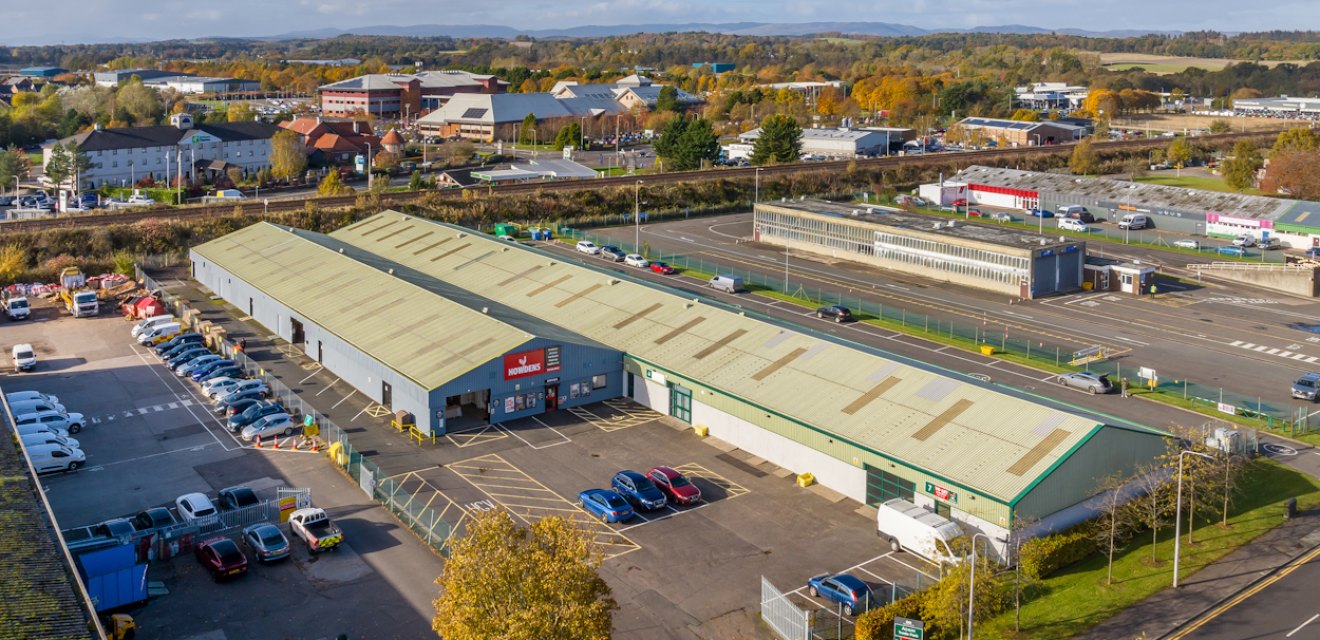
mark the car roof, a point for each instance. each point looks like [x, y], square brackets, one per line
[196, 498]
[668, 472]
[849, 581]
[629, 473]
[1310, 376]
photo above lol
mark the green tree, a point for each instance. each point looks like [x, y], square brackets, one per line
[1240, 169]
[288, 158]
[1297, 139]
[780, 141]
[667, 100]
[697, 145]
[416, 182]
[14, 165]
[666, 145]
[332, 186]
[506, 582]
[1220, 125]
[945, 605]
[527, 131]
[1179, 153]
[1083, 161]
[1026, 115]
[569, 136]
[65, 164]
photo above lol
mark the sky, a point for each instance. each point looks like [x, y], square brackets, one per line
[74, 21]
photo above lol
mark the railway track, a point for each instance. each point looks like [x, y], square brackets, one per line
[254, 208]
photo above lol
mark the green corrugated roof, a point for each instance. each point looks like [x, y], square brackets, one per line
[423, 336]
[974, 435]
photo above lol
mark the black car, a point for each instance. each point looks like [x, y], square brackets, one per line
[237, 498]
[251, 414]
[194, 351]
[835, 312]
[238, 404]
[154, 518]
[179, 343]
[613, 253]
[227, 371]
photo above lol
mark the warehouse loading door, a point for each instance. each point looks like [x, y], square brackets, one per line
[299, 335]
[882, 486]
[680, 403]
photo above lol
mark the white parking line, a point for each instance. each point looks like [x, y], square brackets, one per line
[538, 420]
[350, 395]
[524, 441]
[327, 387]
[319, 367]
[928, 575]
[1299, 627]
[189, 406]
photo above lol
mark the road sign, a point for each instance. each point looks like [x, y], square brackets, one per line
[1146, 373]
[905, 629]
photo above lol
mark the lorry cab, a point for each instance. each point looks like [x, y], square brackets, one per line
[907, 527]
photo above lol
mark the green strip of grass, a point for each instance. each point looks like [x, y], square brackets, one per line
[1078, 597]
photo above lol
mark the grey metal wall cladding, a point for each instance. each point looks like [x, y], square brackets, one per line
[1111, 450]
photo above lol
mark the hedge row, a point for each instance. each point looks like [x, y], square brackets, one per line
[878, 624]
[1041, 557]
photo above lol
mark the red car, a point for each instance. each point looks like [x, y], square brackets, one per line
[960, 202]
[662, 268]
[222, 557]
[674, 485]
[975, 213]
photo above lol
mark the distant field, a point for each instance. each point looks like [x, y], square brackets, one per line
[850, 41]
[1182, 121]
[1207, 183]
[1172, 64]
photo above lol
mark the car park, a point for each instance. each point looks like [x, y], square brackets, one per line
[266, 541]
[605, 504]
[202, 370]
[638, 490]
[48, 437]
[275, 424]
[173, 345]
[169, 353]
[188, 368]
[236, 403]
[154, 518]
[19, 396]
[159, 333]
[662, 268]
[231, 498]
[848, 591]
[148, 323]
[57, 421]
[611, 252]
[676, 487]
[1187, 243]
[1087, 381]
[1073, 224]
[47, 458]
[21, 407]
[636, 260]
[1232, 250]
[222, 558]
[588, 247]
[837, 313]
[240, 386]
[1307, 387]
[221, 380]
[1039, 213]
[194, 506]
[188, 354]
[252, 414]
[227, 372]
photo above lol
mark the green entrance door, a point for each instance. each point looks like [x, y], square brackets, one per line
[680, 403]
[882, 486]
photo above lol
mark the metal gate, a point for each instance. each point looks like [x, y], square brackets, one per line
[788, 621]
[290, 500]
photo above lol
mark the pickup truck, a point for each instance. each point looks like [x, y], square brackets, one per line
[314, 527]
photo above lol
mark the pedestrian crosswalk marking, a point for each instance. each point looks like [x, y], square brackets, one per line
[1273, 351]
[141, 411]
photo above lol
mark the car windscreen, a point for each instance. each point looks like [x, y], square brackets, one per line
[18, 304]
[680, 481]
[645, 484]
[614, 501]
[1305, 383]
[202, 513]
[22, 355]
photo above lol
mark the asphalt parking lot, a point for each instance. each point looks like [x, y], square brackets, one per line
[682, 572]
[150, 438]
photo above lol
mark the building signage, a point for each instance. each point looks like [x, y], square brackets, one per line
[655, 376]
[551, 359]
[908, 629]
[941, 493]
[521, 365]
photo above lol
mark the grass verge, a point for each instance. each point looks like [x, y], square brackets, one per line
[1078, 597]
[1193, 182]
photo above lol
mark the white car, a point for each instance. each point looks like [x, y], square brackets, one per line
[54, 420]
[19, 396]
[47, 437]
[192, 506]
[1072, 224]
[588, 247]
[636, 260]
[1187, 244]
[218, 386]
[275, 424]
[240, 386]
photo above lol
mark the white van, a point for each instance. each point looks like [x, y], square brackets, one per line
[1073, 224]
[158, 331]
[36, 427]
[53, 457]
[149, 323]
[19, 396]
[25, 359]
[45, 437]
[57, 420]
[23, 407]
[1134, 221]
[907, 527]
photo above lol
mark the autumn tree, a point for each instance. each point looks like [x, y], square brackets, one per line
[240, 112]
[1296, 139]
[1296, 173]
[1083, 161]
[780, 141]
[385, 160]
[459, 152]
[1240, 169]
[506, 582]
[1026, 115]
[288, 158]
[13, 261]
[331, 185]
[142, 103]
[1179, 152]
[1220, 125]
[527, 130]
[945, 604]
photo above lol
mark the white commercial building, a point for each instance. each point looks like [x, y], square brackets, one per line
[824, 143]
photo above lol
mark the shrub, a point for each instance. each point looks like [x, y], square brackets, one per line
[878, 624]
[1041, 557]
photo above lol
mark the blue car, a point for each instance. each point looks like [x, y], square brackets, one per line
[227, 371]
[179, 340]
[1040, 213]
[188, 342]
[186, 355]
[638, 490]
[853, 594]
[605, 504]
[1232, 250]
[204, 370]
[187, 367]
[1313, 253]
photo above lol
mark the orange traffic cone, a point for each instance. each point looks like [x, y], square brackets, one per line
[277, 442]
[316, 445]
[258, 442]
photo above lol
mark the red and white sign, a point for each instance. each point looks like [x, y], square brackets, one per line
[521, 365]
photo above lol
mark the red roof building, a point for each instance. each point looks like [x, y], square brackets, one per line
[334, 141]
[402, 95]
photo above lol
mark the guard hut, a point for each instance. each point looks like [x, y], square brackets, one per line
[1131, 278]
[985, 256]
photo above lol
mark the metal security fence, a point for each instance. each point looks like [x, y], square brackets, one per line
[417, 514]
[782, 616]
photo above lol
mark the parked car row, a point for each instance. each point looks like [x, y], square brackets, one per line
[631, 491]
[615, 254]
[45, 426]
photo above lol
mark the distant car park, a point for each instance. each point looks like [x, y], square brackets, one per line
[1187, 243]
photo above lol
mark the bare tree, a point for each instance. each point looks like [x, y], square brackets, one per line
[1111, 529]
[1152, 508]
[1020, 582]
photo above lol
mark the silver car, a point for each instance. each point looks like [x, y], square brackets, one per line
[1307, 387]
[1087, 381]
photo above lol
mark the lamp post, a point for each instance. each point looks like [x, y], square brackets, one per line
[368, 166]
[756, 193]
[1177, 518]
[637, 215]
[971, 585]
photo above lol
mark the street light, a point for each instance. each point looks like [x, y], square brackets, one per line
[1177, 518]
[368, 166]
[637, 215]
[971, 584]
[756, 193]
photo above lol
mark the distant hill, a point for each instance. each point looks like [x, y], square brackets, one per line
[731, 28]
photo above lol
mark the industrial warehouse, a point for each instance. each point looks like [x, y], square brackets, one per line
[1002, 260]
[1296, 223]
[459, 328]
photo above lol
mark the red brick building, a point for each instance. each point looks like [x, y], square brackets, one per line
[400, 95]
[334, 141]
